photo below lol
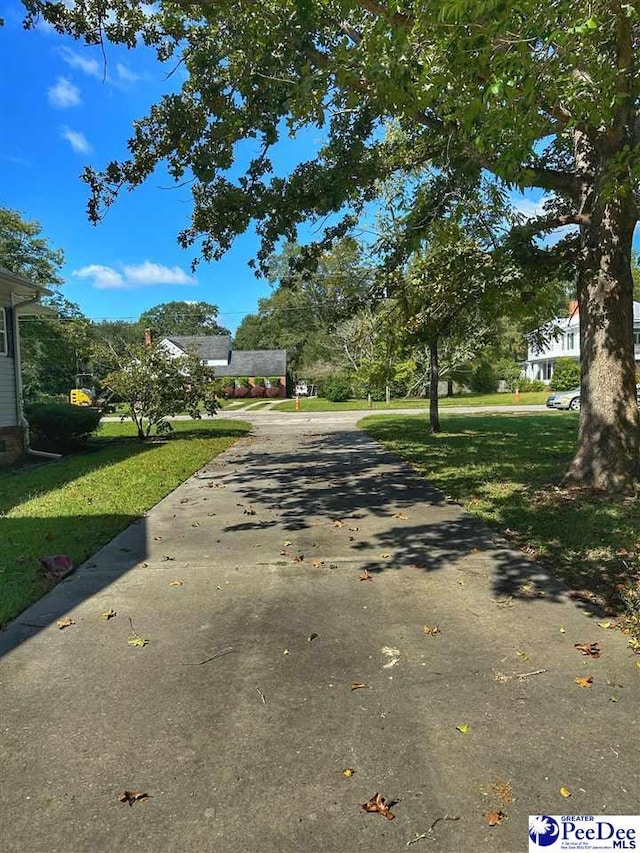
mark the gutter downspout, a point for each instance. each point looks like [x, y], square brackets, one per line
[17, 364]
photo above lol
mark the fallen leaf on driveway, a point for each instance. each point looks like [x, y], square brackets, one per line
[400, 515]
[606, 624]
[135, 640]
[166, 558]
[584, 682]
[64, 623]
[250, 511]
[131, 797]
[522, 654]
[286, 543]
[354, 529]
[503, 790]
[494, 818]
[357, 685]
[316, 564]
[312, 637]
[365, 576]
[348, 772]
[286, 652]
[176, 583]
[380, 805]
[431, 630]
[590, 649]
[338, 523]
[109, 614]
[564, 792]
[463, 728]
[385, 556]
[299, 558]
[157, 538]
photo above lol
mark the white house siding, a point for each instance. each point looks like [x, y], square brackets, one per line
[540, 364]
[8, 404]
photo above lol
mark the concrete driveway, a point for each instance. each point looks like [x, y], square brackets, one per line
[238, 716]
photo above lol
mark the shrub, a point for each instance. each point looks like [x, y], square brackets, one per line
[257, 391]
[484, 379]
[566, 374]
[537, 385]
[511, 372]
[337, 389]
[60, 426]
[259, 382]
[274, 381]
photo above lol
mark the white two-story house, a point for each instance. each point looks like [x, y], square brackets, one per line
[565, 342]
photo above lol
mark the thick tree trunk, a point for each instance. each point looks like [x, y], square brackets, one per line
[434, 376]
[608, 438]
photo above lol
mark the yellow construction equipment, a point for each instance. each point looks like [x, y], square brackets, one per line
[85, 394]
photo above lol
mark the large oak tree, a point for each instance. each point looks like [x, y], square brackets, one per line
[538, 93]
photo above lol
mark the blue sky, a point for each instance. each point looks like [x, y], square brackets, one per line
[58, 115]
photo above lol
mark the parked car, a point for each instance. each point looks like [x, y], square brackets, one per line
[571, 399]
[565, 400]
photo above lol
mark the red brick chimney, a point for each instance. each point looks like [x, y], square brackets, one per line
[147, 337]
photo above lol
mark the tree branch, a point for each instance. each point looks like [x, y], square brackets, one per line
[398, 18]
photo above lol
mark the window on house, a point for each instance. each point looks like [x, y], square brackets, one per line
[570, 340]
[3, 332]
[636, 336]
[548, 370]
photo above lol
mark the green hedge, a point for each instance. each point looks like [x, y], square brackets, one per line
[60, 426]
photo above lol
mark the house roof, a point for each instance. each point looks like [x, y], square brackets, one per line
[259, 362]
[206, 347]
[19, 283]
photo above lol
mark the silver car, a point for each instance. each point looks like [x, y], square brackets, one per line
[565, 400]
[571, 399]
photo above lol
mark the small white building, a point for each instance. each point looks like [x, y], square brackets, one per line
[565, 342]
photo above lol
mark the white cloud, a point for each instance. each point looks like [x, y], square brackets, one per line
[64, 94]
[527, 206]
[77, 140]
[87, 64]
[103, 277]
[146, 274]
[125, 74]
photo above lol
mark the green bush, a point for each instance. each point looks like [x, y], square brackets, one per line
[511, 372]
[484, 379]
[60, 426]
[259, 382]
[566, 374]
[531, 385]
[337, 389]
[242, 382]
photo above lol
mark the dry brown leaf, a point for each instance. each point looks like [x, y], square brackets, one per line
[176, 583]
[590, 649]
[312, 637]
[348, 772]
[131, 797]
[299, 558]
[354, 529]
[503, 791]
[380, 805]
[431, 630]
[316, 563]
[357, 685]
[250, 511]
[385, 556]
[338, 523]
[109, 614]
[365, 576]
[64, 623]
[400, 515]
[584, 682]
[494, 818]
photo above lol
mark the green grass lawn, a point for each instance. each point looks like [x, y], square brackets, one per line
[507, 469]
[76, 505]
[321, 405]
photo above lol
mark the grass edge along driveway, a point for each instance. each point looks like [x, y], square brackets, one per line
[320, 404]
[507, 469]
[77, 505]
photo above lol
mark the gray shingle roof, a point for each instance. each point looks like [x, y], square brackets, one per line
[206, 347]
[259, 362]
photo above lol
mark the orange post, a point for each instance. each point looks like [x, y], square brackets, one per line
[297, 403]
[517, 395]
